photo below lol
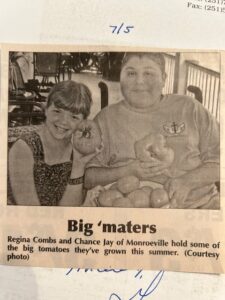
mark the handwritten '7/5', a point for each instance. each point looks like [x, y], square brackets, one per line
[121, 28]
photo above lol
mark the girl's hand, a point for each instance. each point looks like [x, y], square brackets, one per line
[92, 196]
[80, 162]
[85, 159]
[178, 191]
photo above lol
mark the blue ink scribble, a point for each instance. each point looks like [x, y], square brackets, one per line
[141, 293]
[70, 270]
[138, 273]
[112, 297]
[97, 270]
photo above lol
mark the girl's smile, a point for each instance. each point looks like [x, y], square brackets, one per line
[61, 123]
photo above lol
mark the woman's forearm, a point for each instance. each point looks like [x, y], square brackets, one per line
[205, 174]
[143, 171]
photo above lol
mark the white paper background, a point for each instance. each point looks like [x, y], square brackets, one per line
[160, 23]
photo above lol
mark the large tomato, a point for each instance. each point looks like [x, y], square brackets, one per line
[123, 202]
[153, 147]
[128, 184]
[139, 198]
[87, 137]
[106, 198]
[159, 198]
[147, 189]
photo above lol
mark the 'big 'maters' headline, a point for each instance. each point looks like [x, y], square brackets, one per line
[129, 227]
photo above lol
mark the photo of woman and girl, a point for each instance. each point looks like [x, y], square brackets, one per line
[170, 140]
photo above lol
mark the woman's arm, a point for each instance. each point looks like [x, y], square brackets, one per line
[180, 187]
[205, 174]
[209, 147]
[21, 174]
[143, 170]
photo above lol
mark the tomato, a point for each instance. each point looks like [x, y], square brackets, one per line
[106, 198]
[128, 184]
[165, 154]
[152, 148]
[139, 198]
[147, 189]
[159, 198]
[86, 137]
[123, 202]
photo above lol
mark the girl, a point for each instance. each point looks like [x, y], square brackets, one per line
[44, 168]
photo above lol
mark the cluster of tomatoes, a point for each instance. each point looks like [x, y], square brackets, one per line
[128, 192]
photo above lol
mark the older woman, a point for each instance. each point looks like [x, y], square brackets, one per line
[188, 127]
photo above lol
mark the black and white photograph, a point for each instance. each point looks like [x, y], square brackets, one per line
[112, 150]
[114, 129]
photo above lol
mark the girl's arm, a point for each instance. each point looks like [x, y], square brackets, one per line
[74, 194]
[21, 174]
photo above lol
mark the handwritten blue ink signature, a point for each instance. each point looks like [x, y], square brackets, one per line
[98, 270]
[140, 294]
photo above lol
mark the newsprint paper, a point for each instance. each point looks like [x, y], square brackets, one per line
[112, 157]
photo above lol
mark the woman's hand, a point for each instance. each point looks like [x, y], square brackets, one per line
[178, 190]
[146, 170]
[92, 196]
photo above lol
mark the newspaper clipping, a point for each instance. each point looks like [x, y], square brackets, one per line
[112, 157]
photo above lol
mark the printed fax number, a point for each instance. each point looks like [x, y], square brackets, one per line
[214, 8]
[220, 2]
